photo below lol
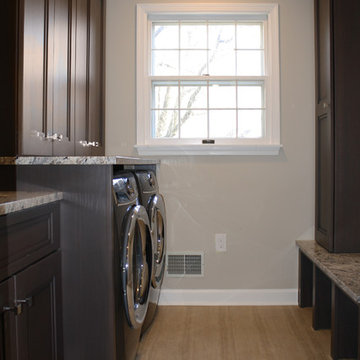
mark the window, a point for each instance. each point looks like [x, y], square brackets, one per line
[207, 79]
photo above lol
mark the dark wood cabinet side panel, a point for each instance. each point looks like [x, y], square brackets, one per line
[324, 172]
[347, 125]
[87, 255]
[40, 324]
[8, 78]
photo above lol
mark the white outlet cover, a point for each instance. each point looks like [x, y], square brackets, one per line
[220, 242]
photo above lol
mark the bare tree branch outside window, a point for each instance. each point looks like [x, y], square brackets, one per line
[169, 129]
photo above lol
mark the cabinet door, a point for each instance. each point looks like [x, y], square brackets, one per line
[88, 77]
[59, 60]
[80, 84]
[324, 125]
[39, 326]
[7, 321]
[34, 125]
[96, 73]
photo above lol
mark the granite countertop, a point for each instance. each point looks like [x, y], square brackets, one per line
[11, 201]
[76, 160]
[343, 269]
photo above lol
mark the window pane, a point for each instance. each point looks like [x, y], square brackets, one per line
[193, 95]
[222, 45]
[193, 62]
[165, 36]
[165, 123]
[165, 62]
[193, 36]
[251, 124]
[222, 36]
[222, 95]
[193, 124]
[222, 62]
[166, 95]
[250, 62]
[250, 96]
[249, 36]
[222, 124]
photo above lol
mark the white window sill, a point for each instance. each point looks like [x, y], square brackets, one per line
[207, 149]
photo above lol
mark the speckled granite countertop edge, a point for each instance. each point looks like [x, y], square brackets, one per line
[12, 201]
[76, 160]
[342, 268]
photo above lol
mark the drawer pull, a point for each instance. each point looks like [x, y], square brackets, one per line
[17, 309]
[28, 301]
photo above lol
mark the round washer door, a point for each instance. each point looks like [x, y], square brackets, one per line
[137, 259]
[157, 214]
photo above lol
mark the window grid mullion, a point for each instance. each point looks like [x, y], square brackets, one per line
[237, 110]
[179, 52]
[208, 109]
[207, 82]
[179, 114]
[235, 50]
[179, 67]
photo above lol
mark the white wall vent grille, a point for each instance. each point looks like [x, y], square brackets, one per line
[188, 264]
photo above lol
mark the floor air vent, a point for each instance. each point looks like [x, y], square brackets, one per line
[185, 264]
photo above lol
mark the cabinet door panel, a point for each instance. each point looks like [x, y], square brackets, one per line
[39, 326]
[80, 76]
[8, 349]
[61, 79]
[324, 182]
[88, 78]
[96, 88]
[34, 78]
[323, 49]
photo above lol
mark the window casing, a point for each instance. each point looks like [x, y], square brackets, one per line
[197, 86]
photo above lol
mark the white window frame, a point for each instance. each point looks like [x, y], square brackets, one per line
[269, 145]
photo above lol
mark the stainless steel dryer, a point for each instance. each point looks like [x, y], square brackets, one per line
[134, 261]
[155, 205]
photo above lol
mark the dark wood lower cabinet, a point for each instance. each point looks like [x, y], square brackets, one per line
[30, 285]
[38, 288]
[8, 349]
[36, 311]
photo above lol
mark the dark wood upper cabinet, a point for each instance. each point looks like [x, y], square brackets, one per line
[33, 51]
[88, 76]
[52, 78]
[62, 124]
[44, 91]
[337, 30]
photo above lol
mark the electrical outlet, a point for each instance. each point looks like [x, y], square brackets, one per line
[220, 242]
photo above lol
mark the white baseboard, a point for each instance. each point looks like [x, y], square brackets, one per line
[228, 297]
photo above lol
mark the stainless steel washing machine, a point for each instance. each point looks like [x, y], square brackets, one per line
[134, 260]
[154, 203]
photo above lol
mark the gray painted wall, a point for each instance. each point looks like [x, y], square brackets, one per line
[263, 203]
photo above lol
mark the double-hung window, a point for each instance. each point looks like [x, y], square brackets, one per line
[208, 79]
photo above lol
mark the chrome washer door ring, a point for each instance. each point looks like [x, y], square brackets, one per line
[157, 215]
[137, 262]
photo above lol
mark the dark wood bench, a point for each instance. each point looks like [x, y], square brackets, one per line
[330, 283]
